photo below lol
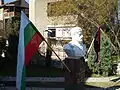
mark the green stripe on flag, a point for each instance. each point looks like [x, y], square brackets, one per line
[23, 81]
[28, 33]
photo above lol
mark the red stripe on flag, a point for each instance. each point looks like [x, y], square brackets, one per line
[32, 47]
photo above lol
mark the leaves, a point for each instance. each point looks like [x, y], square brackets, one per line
[98, 11]
[12, 27]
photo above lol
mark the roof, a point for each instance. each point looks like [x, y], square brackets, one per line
[15, 4]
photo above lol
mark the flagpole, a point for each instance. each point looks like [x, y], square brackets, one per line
[54, 52]
[58, 56]
[90, 46]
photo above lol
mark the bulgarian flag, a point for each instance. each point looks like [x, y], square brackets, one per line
[29, 41]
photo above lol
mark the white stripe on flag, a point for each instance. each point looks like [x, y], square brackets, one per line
[21, 55]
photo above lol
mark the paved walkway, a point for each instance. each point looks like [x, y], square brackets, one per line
[102, 79]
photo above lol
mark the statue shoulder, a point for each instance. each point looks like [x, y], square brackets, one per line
[68, 46]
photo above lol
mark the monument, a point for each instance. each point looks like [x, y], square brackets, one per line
[76, 48]
[76, 51]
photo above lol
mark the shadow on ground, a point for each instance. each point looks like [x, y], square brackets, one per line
[38, 68]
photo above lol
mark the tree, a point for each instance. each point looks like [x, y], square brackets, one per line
[106, 62]
[12, 29]
[91, 15]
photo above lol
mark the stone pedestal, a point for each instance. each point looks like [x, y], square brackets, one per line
[75, 79]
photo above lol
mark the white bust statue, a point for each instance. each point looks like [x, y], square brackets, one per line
[75, 48]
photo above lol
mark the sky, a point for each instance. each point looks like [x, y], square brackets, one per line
[6, 1]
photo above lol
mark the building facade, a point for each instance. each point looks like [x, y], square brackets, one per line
[12, 9]
[59, 27]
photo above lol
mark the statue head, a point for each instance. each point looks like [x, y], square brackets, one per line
[76, 34]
